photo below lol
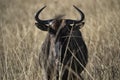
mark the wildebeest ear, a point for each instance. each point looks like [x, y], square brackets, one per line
[80, 25]
[45, 28]
[41, 26]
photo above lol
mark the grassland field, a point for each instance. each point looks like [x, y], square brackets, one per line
[20, 39]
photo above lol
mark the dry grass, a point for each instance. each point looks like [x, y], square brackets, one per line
[20, 40]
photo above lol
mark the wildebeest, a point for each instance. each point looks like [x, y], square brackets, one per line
[64, 53]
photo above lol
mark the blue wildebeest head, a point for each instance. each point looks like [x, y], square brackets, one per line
[63, 53]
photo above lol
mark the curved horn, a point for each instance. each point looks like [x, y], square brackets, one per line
[39, 20]
[69, 21]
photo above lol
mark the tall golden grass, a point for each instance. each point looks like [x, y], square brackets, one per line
[20, 40]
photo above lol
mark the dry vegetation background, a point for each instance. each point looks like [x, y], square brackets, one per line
[20, 40]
